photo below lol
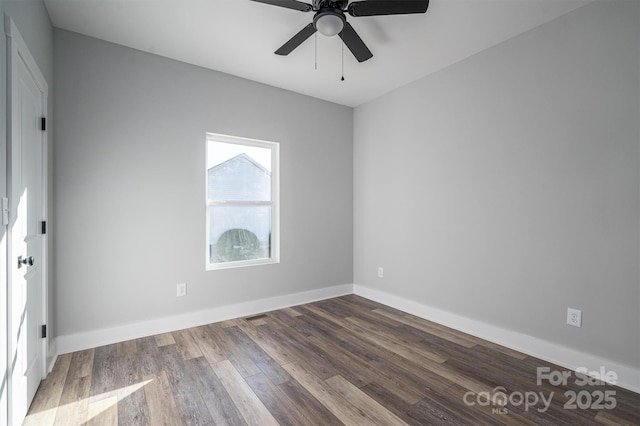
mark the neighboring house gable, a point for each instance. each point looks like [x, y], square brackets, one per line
[239, 178]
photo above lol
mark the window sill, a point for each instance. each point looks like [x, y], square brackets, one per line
[240, 264]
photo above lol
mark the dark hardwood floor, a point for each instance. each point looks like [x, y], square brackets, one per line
[340, 361]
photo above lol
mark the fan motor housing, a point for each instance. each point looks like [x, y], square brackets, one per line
[329, 11]
[333, 4]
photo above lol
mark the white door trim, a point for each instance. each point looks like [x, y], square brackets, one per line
[17, 49]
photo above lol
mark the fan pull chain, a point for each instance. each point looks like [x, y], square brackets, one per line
[316, 39]
[342, 79]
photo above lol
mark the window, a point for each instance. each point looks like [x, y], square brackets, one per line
[242, 202]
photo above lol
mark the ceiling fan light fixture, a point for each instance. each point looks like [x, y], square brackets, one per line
[329, 23]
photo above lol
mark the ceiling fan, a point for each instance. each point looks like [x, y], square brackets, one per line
[330, 20]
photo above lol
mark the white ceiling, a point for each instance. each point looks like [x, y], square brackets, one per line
[239, 37]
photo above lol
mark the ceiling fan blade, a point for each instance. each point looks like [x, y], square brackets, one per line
[387, 7]
[289, 4]
[355, 43]
[296, 40]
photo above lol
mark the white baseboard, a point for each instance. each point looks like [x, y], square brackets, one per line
[107, 336]
[628, 377]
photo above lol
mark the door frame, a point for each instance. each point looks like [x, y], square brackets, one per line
[17, 50]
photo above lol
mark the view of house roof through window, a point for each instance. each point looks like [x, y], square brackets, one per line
[241, 202]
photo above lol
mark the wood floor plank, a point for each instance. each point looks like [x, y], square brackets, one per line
[366, 313]
[317, 413]
[74, 403]
[259, 321]
[276, 351]
[367, 405]
[303, 353]
[81, 363]
[509, 364]
[277, 402]
[334, 308]
[103, 412]
[443, 371]
[391, 375]
[245, 366]
[627, 404]
[443, 328]
[430, 328]
[192, 408]
[408, 392]
[325, 325]
[261, 359]
[356, 300]
[502, 349]
[345, 362]
[126, 348]
[186, 344]
[132, 404]
[220, 405]
[436, 343]
[405, 348]
[392, 401]
[160, 402]
[103, 374]
[606, 418]
[336, 321]
[456, 376]
[291, 312]
[207, 344]
[341, 408]
[149, 356]
[488, 374]
[165, 339]
[295, 323]
[229, 323]
[383, 341]
[249, 405]
[409, 376]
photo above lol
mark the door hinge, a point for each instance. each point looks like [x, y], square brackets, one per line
[43, 227]
[43, 123]
[5, 211]
[44, 331]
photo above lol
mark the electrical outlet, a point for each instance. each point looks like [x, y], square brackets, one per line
[574, 317]
[181, 289]
[380, 272]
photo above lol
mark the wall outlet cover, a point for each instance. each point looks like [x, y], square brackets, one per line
[181, 289]
[574, 317]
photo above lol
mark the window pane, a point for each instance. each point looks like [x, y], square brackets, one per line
[239, 233]
[242, 202]
[238, 172]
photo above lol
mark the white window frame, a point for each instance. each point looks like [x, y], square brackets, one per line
[274, 203]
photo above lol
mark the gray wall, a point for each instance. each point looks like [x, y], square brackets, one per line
[32, 21]
[506, 188]
[130, 186]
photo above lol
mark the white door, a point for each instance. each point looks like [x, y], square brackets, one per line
[26, 263]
